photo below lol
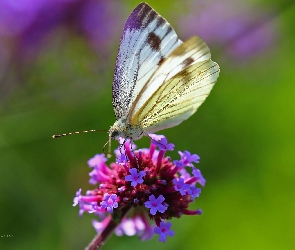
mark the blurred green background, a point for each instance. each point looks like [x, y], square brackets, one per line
[56, 77]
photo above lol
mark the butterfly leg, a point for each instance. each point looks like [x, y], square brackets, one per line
[133, 151]
[121, 145]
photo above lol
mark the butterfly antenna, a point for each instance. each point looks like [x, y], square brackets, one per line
[75, 133]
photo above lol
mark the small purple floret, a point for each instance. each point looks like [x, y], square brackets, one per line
[187, 158]
[199, 211]
[164, 230]
[197, 173]
[109, 202]
[97, 160]
[180, 186]
[179, 164]
[164, 145]
[135, 177]
[194, 192]
[77, 198]
[155, 204]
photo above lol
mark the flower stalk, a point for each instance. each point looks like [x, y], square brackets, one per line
[99, 240]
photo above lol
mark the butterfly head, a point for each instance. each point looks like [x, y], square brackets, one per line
[121, 129]
[115, 134]
[117, 130]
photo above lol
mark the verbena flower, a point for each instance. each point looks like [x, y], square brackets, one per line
[30, 28]
[30, 23]
[164, 230]
[155, 204]
[238, 28]
[142, 185]
[135, 177]
[109, 202]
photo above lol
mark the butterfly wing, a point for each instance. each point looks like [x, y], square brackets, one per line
[147, 39]
[180, 95]
[192, 51]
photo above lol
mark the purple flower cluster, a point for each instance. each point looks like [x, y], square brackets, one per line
[239, 29]
[146, 184]
[26, 24]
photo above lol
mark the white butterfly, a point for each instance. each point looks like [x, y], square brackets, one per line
[159, 80]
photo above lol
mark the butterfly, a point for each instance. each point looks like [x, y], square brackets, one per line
[159, 81]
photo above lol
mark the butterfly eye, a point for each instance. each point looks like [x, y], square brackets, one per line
[114, 134]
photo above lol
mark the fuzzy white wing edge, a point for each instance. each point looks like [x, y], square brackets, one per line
[147, 39]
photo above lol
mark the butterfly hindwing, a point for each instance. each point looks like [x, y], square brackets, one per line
[192, 51]
[146, 41]
[178, 98]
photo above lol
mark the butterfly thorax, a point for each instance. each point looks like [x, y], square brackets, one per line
[124, 130]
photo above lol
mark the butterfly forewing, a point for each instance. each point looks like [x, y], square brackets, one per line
[147, 39]
[178, 98]
[192, 51]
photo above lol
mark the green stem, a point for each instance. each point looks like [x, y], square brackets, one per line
[100, 239]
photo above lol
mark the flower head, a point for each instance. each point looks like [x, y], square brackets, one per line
[241, 30]
[30, 22]
[142, 185]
